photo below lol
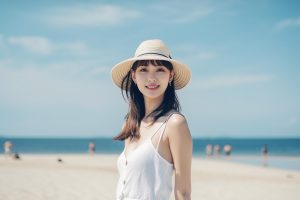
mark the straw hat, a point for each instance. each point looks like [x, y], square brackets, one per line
[152, 50]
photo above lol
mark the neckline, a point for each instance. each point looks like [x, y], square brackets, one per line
[132, 151]
[142, 143]
[150, 139]
[154, 149]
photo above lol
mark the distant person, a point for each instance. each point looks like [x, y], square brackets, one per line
[92, 148]
[227, 149]
[265, 152]
[8, 152]
[209, 150]
[217, 150]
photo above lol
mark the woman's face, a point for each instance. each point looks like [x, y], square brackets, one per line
[151, 80]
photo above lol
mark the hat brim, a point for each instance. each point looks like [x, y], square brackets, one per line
[182, 73]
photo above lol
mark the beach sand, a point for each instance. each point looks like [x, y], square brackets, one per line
[86, 177]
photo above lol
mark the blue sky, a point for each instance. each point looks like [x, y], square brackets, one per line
[56, 57]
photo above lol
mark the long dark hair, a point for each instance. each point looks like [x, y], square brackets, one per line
[136, 101]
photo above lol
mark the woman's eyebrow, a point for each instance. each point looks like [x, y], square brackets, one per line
[153, 65]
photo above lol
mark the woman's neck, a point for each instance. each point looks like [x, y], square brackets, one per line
[152, 104]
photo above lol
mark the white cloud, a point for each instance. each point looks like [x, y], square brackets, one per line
[234, 80]
[39, 45]
[288, 23]
[93, 15]
[42, 45]
[188, 12]
[74, 47]
[77, 70]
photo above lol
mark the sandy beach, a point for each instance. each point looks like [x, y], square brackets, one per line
[38, 177]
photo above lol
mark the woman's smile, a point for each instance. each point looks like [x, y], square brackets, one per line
[152, 86]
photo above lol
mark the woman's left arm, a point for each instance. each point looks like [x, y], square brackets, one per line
[181, 146]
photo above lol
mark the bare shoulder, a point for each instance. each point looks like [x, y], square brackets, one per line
[177, 127]
[177, 119]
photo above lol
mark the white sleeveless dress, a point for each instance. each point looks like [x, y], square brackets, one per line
[144, 174]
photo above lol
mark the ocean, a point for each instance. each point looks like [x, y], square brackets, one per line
[283, 153]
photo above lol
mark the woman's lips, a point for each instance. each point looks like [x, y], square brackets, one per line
[152, 87]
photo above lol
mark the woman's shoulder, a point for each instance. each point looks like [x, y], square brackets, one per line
[177, 130]
[176, 123]
[176, 118]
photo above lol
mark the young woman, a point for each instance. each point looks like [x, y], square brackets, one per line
[158, 142]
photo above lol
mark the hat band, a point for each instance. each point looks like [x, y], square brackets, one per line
[154, 53]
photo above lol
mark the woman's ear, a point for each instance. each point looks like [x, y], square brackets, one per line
[133, 76]
[172, 74]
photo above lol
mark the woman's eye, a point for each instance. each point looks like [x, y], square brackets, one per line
[161, 70]
[143, 70]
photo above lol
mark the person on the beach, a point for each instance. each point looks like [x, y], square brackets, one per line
[227, 149]
[264, 152]
[209, 150]
[157, 139]
[92, 148]
[7, 146]
[217, 150]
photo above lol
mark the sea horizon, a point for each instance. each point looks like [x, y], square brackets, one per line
[282, 152]
[250, 145]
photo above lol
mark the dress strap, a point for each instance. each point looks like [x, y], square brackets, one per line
[165, 123]
[161, 125]
[157, 146]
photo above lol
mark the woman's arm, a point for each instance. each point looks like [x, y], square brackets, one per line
[181, 146]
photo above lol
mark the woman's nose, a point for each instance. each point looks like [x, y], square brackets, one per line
[152, 78]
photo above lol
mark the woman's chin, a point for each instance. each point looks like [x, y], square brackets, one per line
[152, 95]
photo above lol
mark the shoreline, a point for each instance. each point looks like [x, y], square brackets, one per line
[287, 162]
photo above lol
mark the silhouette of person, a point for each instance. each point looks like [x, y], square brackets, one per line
[217, 149]
[8, 145]
[227, 149]
[92, 148]
[209, 150]
[265, 152]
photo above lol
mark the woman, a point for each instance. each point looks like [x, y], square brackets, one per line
[158, 142]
